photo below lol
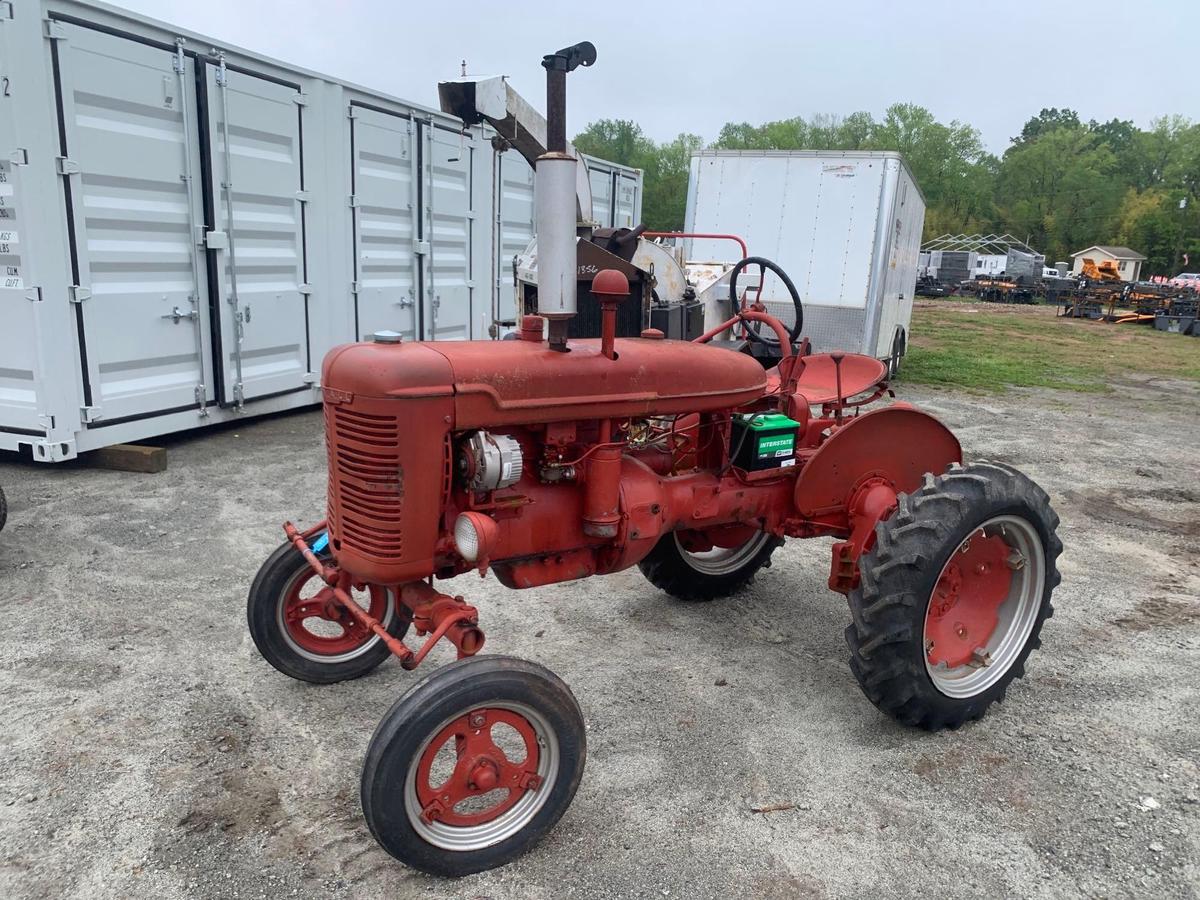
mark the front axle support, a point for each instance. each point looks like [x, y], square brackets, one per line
[433, 613]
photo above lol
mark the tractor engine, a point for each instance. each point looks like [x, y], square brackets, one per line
[546, 466]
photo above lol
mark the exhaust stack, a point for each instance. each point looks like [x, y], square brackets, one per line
[554, 187]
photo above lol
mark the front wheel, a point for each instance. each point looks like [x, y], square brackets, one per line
[473, 766]
[300, 631]
[953, 595]
[694, 565]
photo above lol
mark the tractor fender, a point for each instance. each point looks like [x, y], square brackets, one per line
[898, 443]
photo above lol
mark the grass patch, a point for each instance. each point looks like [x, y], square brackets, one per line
[991, 349]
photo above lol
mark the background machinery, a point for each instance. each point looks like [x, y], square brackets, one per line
[549, 458]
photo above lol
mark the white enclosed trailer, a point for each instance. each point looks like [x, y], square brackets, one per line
[845, 226]
[191, 226]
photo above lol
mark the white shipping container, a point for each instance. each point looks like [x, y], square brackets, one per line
[189, 230]
[845, 226]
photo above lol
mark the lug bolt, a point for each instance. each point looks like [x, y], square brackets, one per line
[478, 720]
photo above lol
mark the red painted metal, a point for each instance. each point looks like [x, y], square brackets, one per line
[440, 615]
[325, 606]
[610, 287]
[964, 609]
[481, 768]
[694, 234]
[622, 441]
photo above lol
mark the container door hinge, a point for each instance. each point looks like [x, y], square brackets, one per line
[312, 378]
[305, 289]
[216, 240]
[352, 112]
[420, 247]
[200, 394]
[65, 166]
[34, 295]
[55, 30]
[239, 395]
[19, 157]
[355, 286]
[77, 294]
[6, 10]
[300, 99]
[89, 414]
[304, 196]
[353, 201]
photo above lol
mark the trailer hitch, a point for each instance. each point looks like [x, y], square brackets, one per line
[433, 613]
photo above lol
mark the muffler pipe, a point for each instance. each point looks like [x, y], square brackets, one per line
[554, 190]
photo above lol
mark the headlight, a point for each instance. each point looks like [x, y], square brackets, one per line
[475, 536]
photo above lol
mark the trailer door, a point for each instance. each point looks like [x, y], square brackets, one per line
[257, 247]
[131, 174]
[384, 224]
[448, 235]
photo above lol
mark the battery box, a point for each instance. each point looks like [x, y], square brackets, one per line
[763, 441]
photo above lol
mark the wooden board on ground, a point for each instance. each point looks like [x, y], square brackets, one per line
[130, 458]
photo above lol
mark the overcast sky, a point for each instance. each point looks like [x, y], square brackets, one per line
[678, 66]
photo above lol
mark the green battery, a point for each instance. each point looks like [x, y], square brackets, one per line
[763, 441]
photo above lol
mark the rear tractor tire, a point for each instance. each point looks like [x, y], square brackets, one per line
[313, 641]
[953, 595]
[706, 574]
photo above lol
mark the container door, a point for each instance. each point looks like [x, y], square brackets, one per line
[515, 219]
[447, 238]
[132, 188]
[257, 245]
[602, 196]
[629, 207]
[384, 210]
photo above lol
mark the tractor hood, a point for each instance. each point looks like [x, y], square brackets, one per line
[523, 382]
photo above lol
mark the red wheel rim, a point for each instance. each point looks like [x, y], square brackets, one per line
[964, 609]
[298, 609]
[481, 769]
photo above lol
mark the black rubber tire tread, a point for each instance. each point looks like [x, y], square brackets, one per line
[667, 568]
[448, 692]
[3, 509]
[266, 592]
[898, 574]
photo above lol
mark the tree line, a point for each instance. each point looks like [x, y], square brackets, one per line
[1062, 183]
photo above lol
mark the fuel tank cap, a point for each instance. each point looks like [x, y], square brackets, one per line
[387, 337]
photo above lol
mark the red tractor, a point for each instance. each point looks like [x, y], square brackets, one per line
[547, 459]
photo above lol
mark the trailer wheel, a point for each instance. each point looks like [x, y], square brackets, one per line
[474, 765]
[899, 348]
[308, 639]
[688, 567]
[953, 595]
[3, 509]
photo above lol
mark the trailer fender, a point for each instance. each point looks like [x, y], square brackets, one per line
[897, 444]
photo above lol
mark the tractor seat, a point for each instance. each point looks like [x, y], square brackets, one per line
[818, 380]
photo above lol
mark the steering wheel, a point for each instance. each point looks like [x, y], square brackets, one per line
[735, 302]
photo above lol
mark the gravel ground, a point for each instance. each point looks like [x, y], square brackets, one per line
[146, 749]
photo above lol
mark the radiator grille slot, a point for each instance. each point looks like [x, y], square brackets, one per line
[366, 485]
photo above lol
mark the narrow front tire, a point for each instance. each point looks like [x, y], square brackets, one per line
[473, 766]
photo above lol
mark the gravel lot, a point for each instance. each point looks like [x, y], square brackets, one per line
[146, 750]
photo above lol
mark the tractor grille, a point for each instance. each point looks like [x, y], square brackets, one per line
[366, 482]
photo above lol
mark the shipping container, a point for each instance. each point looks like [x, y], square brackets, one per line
[191, 226]
[845, 226]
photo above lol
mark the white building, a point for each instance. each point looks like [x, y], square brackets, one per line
[1129, 262]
